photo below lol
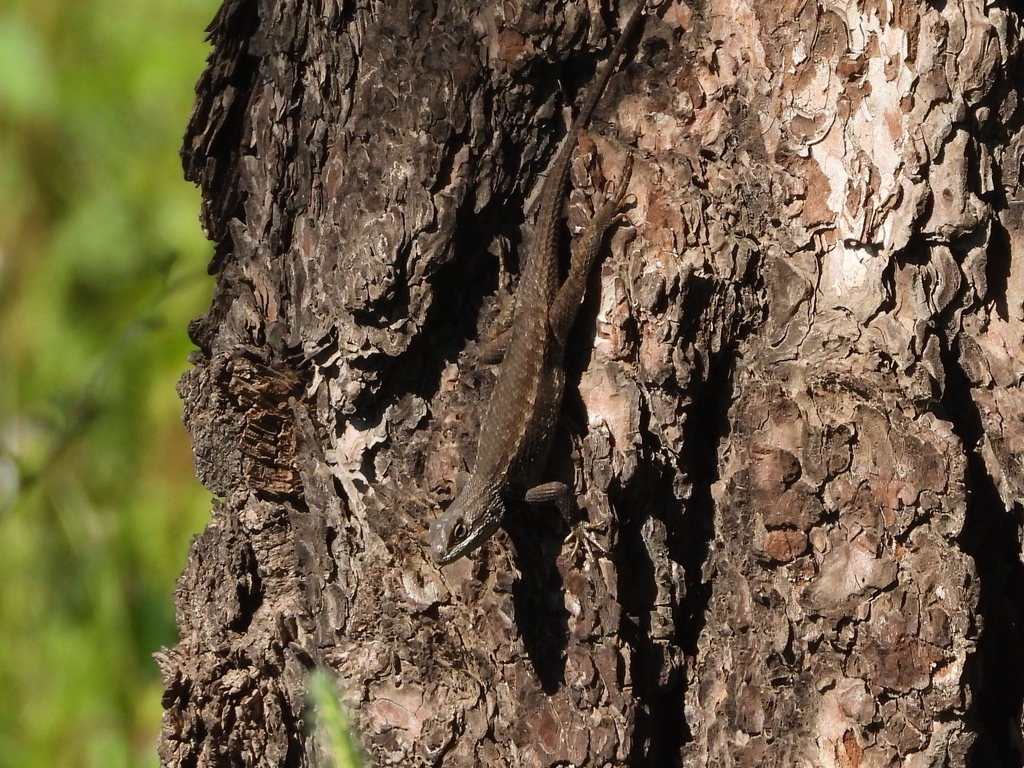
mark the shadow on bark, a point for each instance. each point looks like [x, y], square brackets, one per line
[539, 594]
[990, 536]
[689, 528]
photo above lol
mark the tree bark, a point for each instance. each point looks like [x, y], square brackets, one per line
[794, 403]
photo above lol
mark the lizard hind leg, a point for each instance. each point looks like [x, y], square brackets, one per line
[585, 250]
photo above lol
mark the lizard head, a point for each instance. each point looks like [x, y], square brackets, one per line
[471, 519]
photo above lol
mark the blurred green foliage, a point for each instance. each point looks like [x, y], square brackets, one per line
[330, 727]
[102, 265]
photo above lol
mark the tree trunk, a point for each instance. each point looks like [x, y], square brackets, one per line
[793, 412]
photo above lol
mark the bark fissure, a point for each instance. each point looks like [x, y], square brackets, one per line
[990, 535]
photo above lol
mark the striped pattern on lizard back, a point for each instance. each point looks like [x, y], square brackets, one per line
[519, 426]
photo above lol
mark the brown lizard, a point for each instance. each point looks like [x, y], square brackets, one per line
[517, 431]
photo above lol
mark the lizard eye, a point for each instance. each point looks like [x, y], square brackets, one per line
[459, 531]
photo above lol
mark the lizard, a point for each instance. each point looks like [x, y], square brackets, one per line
[519, 425]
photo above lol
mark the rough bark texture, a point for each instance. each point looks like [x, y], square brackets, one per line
[795, 392]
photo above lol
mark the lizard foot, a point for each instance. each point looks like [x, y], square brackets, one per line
[582, 538]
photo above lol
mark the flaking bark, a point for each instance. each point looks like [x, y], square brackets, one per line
[794, 393]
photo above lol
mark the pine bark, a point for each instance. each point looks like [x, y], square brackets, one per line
[794, 404]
